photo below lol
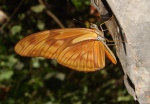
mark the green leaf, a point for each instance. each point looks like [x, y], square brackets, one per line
[41, 25]
[16, 29]
[37, 8]
[6, 74]
[124, 98]
[80, 5]
[36, 61]
[12, 60]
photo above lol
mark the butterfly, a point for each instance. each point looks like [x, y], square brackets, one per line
[81, 49]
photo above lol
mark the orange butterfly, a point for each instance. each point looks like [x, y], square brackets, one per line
[80, 49]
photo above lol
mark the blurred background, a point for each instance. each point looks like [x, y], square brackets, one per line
[25, 80]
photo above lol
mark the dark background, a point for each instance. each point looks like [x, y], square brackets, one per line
[26, 80]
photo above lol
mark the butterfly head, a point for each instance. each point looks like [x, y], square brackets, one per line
[93, 26]
[98, 32]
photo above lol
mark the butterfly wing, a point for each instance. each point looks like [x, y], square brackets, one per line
[76, 48]
[110, 55]
[47, 43]
[86, 56]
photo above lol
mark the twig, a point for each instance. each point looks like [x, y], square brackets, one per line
[16, 9]
[52, 15]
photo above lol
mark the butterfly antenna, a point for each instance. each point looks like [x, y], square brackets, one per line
[78, 21]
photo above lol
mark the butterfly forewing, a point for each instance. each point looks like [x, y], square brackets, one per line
[27, 46]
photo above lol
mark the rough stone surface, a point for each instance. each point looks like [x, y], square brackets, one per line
[134, 18]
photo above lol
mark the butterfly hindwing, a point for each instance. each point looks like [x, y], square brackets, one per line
[84, 56]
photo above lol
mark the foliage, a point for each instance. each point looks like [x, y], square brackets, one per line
[26, 80]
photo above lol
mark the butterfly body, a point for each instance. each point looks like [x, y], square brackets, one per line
[80, 49]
